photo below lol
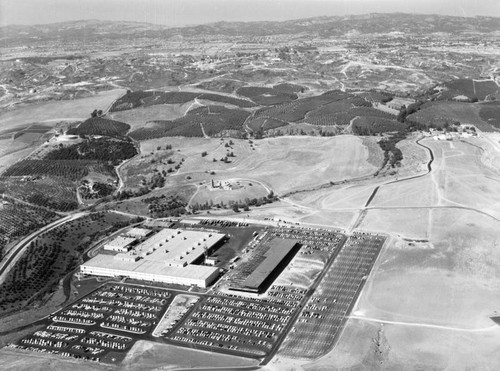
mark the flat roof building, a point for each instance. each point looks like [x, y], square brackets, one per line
[120, 244]
[138, 233]
[276, 259]
[168, 256]
[179, 247]
[149, 270]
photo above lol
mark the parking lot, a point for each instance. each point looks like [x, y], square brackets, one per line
[103, 325]
[109, 319]
[242, 326]
[314, 241]
[322, 319]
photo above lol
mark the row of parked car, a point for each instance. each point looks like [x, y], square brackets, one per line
[78, 348]
[139, 290]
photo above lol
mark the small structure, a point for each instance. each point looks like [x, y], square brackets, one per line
[211, 261]
[120, 244]
[139, 233]
[226, 185]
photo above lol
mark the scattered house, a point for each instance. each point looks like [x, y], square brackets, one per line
[226, 185]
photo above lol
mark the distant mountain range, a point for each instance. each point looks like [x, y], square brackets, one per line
[95, 30]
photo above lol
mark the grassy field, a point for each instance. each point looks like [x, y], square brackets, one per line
[150, 355]
[139, 116]
[53, 112]
[282, 164]
[139, 206]
[240, 191]
[433, 289]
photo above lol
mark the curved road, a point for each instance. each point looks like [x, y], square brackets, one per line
[17, 251]
[429, 169]
[373, 194]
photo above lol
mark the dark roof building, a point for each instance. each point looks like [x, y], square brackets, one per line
[276, 259]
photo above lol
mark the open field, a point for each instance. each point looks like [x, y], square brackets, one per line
[16, 143]
[415, 158]
[139, 116]
[289, 163]
[53, 112]
[463, 174]
[265, 164]
[437, 278]
[369, 345]
[239, 192]
[141, 205]
[169, 357]
[425, 300]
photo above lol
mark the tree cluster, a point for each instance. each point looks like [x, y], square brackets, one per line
[102, 149]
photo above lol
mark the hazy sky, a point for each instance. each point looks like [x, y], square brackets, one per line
[182, 12]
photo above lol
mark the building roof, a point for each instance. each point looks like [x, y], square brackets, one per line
[138, 232]
[168, 252]
[274, 256]
[151, 267]
[177, 247]
[120, 242]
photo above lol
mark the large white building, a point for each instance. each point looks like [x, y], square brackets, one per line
[168, 256]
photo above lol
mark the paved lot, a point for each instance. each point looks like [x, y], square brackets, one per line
[108, 320]
[322, 319]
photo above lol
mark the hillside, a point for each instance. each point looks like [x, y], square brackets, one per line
[95, 30]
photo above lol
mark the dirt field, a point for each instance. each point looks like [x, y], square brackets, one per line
[166, 357]
[434, 287]
[17, 359]
[265, 164]
[282, 164]
[54, 112]
[178, 307]
[240, 191]
[139, 116]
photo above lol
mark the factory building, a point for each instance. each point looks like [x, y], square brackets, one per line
[169, 256]
[276, 259]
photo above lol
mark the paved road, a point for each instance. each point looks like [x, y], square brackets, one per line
[17, 251]
[375, 190]
[449, 328]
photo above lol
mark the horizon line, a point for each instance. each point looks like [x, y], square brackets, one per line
[186, 25]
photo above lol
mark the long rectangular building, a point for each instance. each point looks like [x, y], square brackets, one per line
[168, 256]
[149, 270]
[276, 259]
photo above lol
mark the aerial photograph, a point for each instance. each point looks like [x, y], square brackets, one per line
[249, 185]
